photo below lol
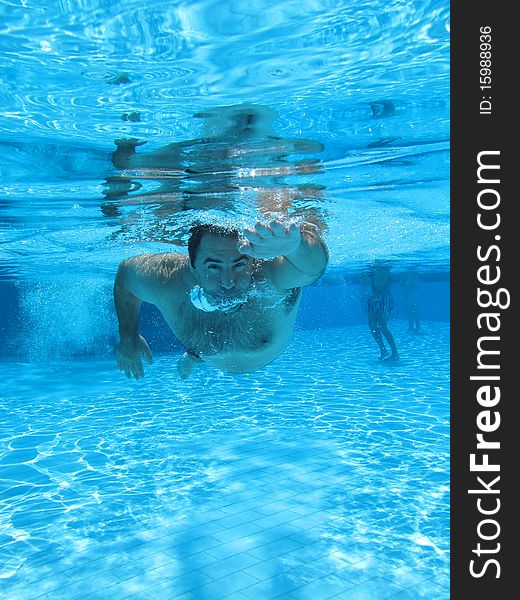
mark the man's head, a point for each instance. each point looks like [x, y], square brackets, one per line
[218, 267]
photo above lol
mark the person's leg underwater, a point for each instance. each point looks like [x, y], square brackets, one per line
[390, 339]
[373, 324]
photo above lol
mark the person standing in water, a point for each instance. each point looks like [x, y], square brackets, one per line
[380, 305]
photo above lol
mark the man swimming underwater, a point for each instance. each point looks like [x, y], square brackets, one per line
[232, 301]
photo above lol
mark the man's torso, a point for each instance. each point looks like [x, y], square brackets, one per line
[247, 338]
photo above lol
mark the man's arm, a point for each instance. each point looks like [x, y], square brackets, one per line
[128, 306]
[301, 254]
[142, 278]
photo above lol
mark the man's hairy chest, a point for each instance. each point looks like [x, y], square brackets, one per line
[253, 326]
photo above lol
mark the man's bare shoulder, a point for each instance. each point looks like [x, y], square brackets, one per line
[154, 277]
[166, 266]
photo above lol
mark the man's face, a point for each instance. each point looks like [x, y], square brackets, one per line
[220, 269]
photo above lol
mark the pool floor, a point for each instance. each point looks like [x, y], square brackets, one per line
[325, 475]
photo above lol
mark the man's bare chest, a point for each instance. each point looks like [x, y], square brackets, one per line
[253, 326]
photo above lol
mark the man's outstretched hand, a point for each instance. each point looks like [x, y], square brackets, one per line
[129, 354]
[270, 241]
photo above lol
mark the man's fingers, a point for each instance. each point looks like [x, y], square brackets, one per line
[262, 230]
[252, 236]
[269, 241]
[130, 358]
[277, 228]
[130, 369]
[294, 231]
[123, 366]
[138, 370]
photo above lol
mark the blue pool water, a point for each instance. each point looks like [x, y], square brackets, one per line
[324, 474]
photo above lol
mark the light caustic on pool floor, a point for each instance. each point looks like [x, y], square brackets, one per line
[328, 478]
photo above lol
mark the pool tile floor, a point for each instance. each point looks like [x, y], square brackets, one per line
[339, 494]
[269, 533]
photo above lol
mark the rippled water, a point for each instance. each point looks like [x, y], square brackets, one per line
[367, 80]
[332, 56]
